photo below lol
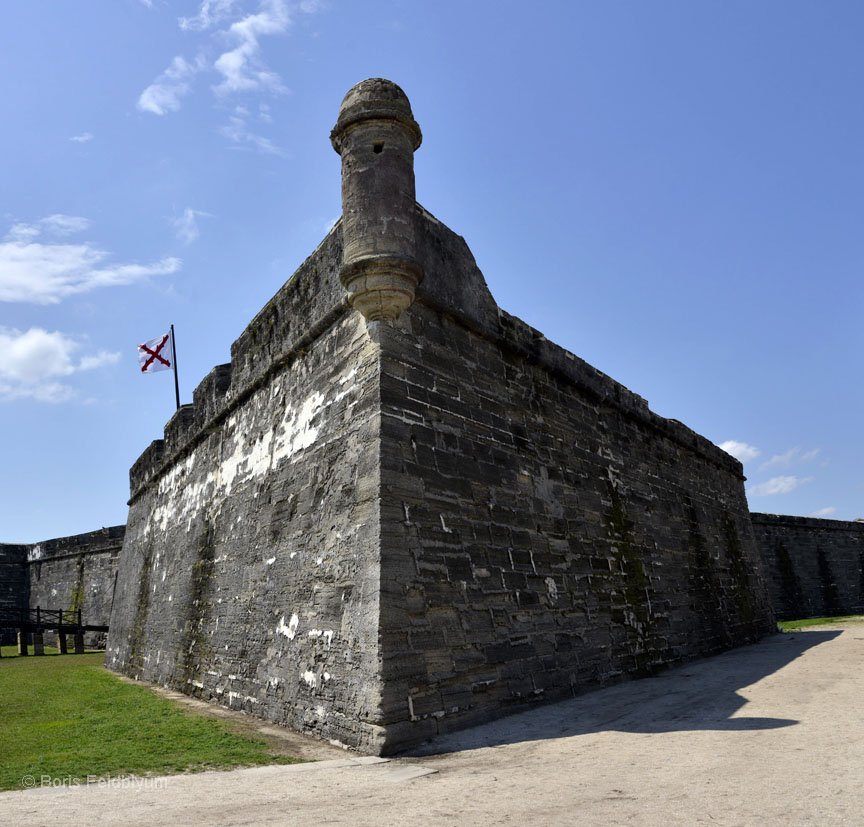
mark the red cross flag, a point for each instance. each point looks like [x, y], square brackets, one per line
[156, 354]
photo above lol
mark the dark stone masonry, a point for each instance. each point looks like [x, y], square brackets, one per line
[815, 567]
[14, 583]
[69, 573]
[400, 510]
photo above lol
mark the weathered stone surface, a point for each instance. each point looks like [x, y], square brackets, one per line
[399, 530]
[814, 567]
[70, 573]
[250, 571]
[77, 572]
[542, 530]
[376, 532]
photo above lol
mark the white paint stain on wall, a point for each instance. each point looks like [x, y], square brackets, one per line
[233, 696]
[297, 431]
[181, 497]
[291, 629]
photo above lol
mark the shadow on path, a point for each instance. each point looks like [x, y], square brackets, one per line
[701, 695]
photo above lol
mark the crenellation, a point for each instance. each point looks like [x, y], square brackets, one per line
[179, 429]
[146, 467]
[305, 305]
[210, 397]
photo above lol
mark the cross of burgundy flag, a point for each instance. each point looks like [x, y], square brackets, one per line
[161, 354]
[156, 354]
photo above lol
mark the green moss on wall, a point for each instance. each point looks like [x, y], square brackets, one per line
[78, 591]
[635, 583]
[740, 573]
[194, 641]
[142, 606]
[706, 582]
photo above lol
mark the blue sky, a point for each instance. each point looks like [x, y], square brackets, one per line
[671, 189]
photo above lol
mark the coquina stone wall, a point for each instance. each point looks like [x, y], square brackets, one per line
[70, 573]
[378, 533]
[542, 531]
[77, 572]
[250, 572]
[386, 520]
[814, 567]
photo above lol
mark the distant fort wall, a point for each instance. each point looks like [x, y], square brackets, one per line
[70, 573]
[14, 583]
[814, 567]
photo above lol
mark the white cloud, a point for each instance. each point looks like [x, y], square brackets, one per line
[241, 67]
[777, 485]
[163, 95]
[82, 138]
[46, 272]
[148, 3]
[22, 233]
[186, 225]
[209, 14]
[238, 132]
[239, 61]
[33, 360]
[780, 460]
[824, 512]
[740, 450]
[62, 225]
[790, 457]
[56, 225]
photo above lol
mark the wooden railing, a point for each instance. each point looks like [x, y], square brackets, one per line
[44, 618]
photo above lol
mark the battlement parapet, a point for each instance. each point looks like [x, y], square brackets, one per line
[309, 302]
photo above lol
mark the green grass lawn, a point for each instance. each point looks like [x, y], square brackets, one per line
[66, 715]
[793, 625]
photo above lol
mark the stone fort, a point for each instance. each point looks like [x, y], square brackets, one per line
[400, 510]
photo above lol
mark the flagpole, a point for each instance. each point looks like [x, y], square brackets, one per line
[176, 383]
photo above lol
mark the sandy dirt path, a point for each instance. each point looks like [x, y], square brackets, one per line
[771, 734]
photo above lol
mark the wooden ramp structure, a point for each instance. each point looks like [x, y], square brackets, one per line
[37, 621]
